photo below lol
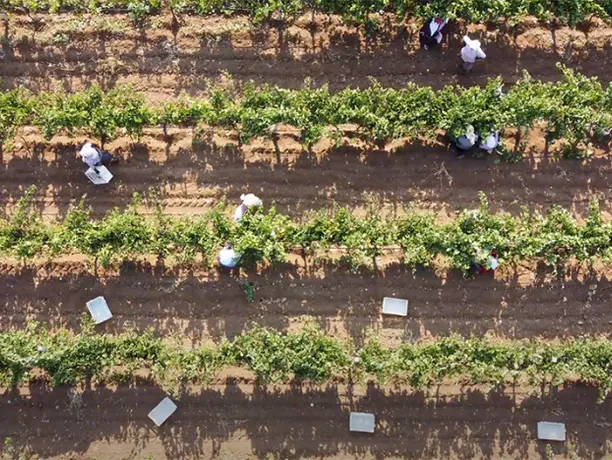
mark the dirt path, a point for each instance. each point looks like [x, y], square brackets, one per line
[72, 52]
[193, 177]
[201, 306]
[238, 420]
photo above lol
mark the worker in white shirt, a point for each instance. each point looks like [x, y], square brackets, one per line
[490, 142]
[93, 156]
[228, 258]
[479, 269]
[247, 201]
[470, 52]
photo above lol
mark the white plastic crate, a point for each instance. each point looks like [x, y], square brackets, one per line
[162, 411]
[550, 431]
[103, 176]
[99, 310]
[362, 422]
[393, 306]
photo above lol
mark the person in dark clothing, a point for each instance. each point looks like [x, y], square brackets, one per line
[431, 33]
[479, 269]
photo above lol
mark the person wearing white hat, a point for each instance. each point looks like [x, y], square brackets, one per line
[470, 52]
[247, 201]
[93, 156]
[465, 142]
[490, 143]
[228, 258]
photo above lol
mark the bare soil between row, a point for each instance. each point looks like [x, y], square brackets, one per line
[191, 175]
[237, 420]
[73, 51]
[200, 306]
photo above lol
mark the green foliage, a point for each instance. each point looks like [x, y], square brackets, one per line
[95, 112]
[574, 110]
[261, 235]
[358, 11]
[478, 360]
[248, 287]
[15, 107]
[309, 354]
[274, 357]
[420, 238]
[24, 235]
[555, 237]
[548, 452]
[363, 238]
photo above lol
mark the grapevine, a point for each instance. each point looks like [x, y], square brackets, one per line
[310, 354]
[354, 11]
[555, 237]
[575, 109]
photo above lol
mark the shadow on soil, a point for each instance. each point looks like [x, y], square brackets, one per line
[327, 51]
[244, 421]
[297, 181]
[195, 305]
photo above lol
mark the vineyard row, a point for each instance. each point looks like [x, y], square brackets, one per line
[576, 109]
[359, 11]
[555, 236]
[309, 354]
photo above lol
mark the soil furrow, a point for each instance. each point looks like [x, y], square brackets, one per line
[207, 306]
[72, 52]
[235, 420]
[193, 176]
